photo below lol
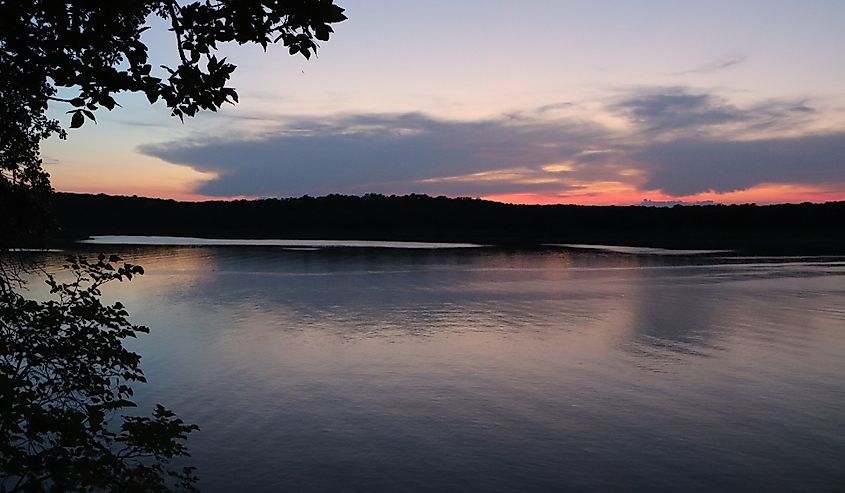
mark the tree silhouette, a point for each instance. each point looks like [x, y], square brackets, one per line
[64, 373]
[90, 51]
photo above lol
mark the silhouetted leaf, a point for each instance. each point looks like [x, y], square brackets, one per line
[77, 120]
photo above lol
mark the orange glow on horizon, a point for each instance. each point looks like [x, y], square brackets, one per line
[598, 193]
[165, 194]
[759, 194]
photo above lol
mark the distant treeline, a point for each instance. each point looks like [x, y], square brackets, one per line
[791, 228]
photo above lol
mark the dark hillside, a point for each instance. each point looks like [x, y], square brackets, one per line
[791, 228]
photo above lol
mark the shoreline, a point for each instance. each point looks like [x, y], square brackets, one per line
[747, 229]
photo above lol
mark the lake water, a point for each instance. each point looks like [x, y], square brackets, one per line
[483, 369]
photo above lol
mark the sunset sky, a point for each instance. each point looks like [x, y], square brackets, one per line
[530, 101]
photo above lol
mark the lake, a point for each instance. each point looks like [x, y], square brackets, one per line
[313, 367]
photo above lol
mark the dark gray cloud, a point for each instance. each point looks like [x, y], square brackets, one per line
[683, 143]
[675, 109]
[377, 152]
[685, 167]
[679, 111]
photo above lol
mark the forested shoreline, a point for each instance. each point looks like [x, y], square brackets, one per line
[778, 229]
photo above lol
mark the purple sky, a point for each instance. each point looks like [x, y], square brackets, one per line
[526, 101]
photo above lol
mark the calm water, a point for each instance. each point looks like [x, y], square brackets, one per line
[480, 369]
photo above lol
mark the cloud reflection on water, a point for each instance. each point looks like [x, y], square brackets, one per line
[495, 369]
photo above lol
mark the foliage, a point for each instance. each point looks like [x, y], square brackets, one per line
[24, 185]
[63, 369]
[90, 51]
[63, 373]
[786, 229]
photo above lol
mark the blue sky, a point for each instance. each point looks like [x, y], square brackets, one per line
[524, 101]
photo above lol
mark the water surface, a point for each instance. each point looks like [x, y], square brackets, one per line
[357, 369]
[286, 243]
